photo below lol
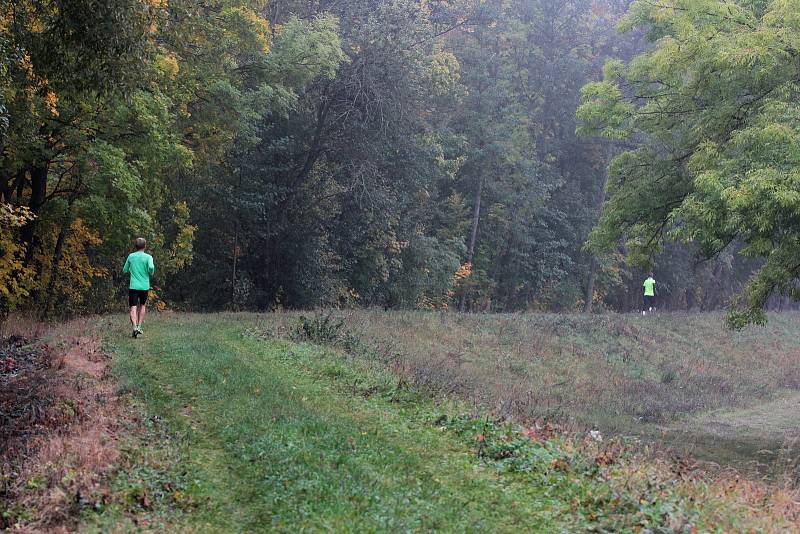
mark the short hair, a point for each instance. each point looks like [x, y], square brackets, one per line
[140, 243]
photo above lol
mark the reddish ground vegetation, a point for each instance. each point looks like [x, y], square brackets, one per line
[60, 416]
[22, 368]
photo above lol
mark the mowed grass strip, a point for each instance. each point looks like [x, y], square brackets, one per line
[270, 443]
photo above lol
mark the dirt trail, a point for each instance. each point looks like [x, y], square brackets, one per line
[779, 419]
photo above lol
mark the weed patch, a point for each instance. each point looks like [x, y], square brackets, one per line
[147, 489]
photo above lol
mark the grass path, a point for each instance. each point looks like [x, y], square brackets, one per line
[271, 444]
[760, 438]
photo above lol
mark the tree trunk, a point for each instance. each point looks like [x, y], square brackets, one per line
[690, 291]
[589, 295]
[20, 185]
[588, 298]
[58, 253]
[473, 236]
[235, 244]
[38, 194]
[476, 216]
[9, 187]
[235, 258]
[716, 276]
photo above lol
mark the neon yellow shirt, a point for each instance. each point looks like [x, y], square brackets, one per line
[649, 287]
[141, 266]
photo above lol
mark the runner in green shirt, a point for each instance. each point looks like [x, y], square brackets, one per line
[649, 294]
[140, 266]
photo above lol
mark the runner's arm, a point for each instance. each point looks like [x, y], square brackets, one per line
[151, 267]
[127, 267]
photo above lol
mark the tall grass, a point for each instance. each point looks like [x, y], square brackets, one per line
[619, 373]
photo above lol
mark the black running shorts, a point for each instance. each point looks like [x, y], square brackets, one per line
[137, 297]
[649, 301]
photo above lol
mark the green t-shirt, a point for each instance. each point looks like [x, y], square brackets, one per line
[140, 265]
[649, 287]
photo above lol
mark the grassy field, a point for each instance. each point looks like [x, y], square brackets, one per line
[252, 433]
[681, 380]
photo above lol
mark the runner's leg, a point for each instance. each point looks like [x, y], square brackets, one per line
[133, 303]
[142, 296]
[142, 310]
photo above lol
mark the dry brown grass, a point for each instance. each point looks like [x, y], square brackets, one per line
[24, 325]
[57, 460]
[614, 368]
[734, 503]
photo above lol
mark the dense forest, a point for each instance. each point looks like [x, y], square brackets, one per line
[400, 153]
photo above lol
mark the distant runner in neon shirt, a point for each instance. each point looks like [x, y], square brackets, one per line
[140, 266]
[649, 294]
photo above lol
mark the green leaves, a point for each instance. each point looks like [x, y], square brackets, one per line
[305, 50]
[714, 107]
[603, 111]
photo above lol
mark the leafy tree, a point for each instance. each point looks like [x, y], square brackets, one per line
[14, 276]
[713, 108]
[531, 182]
[111, 110]
[332, 204]
[68, 65]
